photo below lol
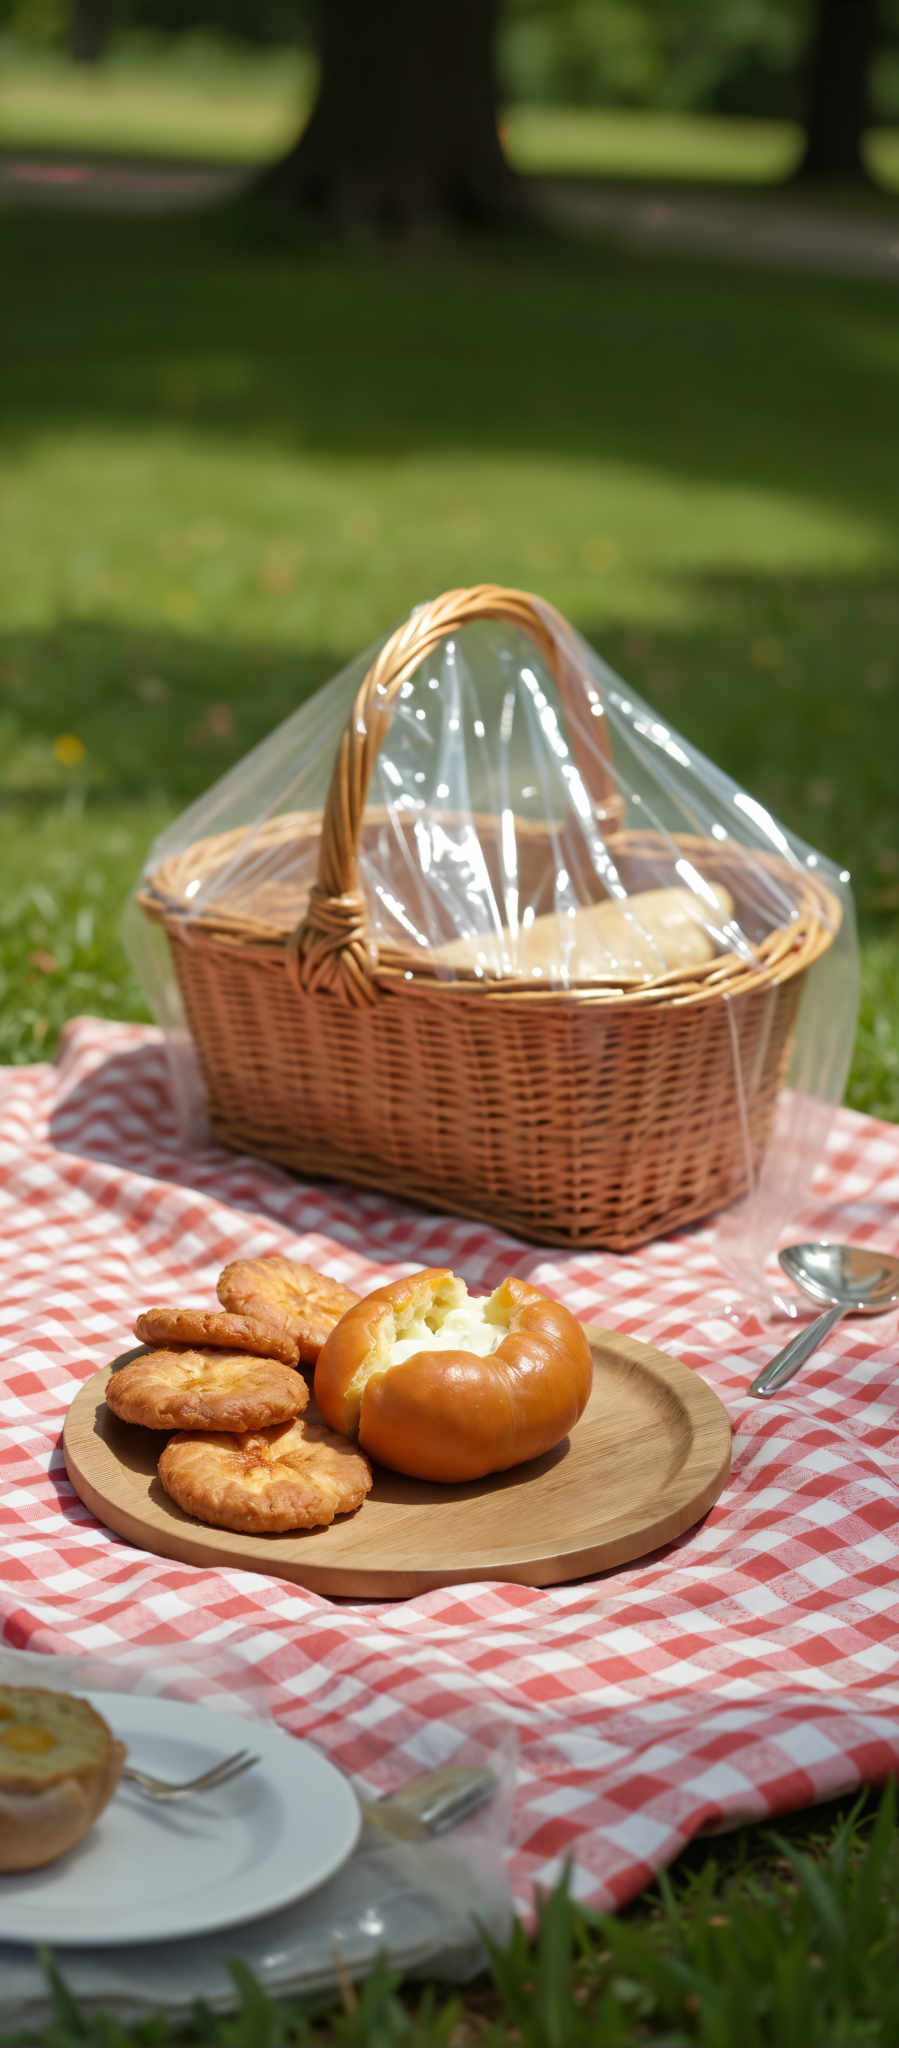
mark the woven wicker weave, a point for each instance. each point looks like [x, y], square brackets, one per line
[591, 1115]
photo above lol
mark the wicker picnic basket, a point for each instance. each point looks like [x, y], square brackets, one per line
[579, 1112]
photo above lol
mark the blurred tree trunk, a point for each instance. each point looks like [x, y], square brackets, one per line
[88, 31]
[404, 127]
[844, 36]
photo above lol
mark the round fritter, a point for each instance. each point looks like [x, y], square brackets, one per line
[227, 1390]
[294, 1299]
[266, 1482]
[214, 1327]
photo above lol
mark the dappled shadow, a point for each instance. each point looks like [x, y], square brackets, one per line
[160, 714]
[545, 347]
[789, 682]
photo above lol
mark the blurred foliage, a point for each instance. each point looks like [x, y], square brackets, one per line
[702, 56]
[51, 24]
[697, 56]
[711, 56]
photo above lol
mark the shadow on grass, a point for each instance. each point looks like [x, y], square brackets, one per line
[542, 346]
[751, 1853]
[787, 682]
[159, 714]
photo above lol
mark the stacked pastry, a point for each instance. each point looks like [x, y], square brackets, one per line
[228, 1383]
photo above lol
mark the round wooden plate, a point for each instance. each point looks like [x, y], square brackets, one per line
[647, 1459]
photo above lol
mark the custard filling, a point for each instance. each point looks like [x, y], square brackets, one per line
[452, 1320]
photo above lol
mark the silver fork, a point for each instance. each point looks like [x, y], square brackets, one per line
[221, 1773]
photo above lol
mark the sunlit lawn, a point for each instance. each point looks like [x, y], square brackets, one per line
[199, 101]
[203, 105]
[689, 148]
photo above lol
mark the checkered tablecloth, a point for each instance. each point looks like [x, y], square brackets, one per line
[749, 1668]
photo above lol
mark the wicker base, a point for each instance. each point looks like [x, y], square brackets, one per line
[597, 1130]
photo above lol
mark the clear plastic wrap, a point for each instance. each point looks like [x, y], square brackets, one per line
[480, 810]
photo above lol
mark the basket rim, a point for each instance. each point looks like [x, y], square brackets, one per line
[786, 950]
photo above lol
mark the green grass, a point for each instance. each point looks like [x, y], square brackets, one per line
[233, 467]
[202, 101]
[198, 102]
[701, 149]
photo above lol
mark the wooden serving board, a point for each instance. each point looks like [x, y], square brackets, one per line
[647, 1459]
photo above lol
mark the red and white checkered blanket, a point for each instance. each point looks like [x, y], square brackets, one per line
[749, 1668]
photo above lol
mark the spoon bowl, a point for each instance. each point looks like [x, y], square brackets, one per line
[853, 1281]
[865, 1283]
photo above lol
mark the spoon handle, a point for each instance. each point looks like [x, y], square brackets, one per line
[796, 1352]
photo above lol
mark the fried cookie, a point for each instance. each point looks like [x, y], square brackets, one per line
[222, 1390]
[295, 1299]
[266, 1482]
[199, 1326]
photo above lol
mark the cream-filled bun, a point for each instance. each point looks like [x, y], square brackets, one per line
[446, 1386]
[59, 1766]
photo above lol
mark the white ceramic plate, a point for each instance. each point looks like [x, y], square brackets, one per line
[153, 1872]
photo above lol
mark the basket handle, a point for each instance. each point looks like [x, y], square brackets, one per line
[329, 951]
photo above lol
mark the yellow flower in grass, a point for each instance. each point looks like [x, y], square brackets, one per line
[69, 749]
[180, 605]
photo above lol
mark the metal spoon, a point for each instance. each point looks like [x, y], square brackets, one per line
[855, 1282]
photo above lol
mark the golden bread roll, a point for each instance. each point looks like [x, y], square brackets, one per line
[59, 1767]
[649, 933]
[444, 1386]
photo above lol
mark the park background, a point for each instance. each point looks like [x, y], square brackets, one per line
[241, 440]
